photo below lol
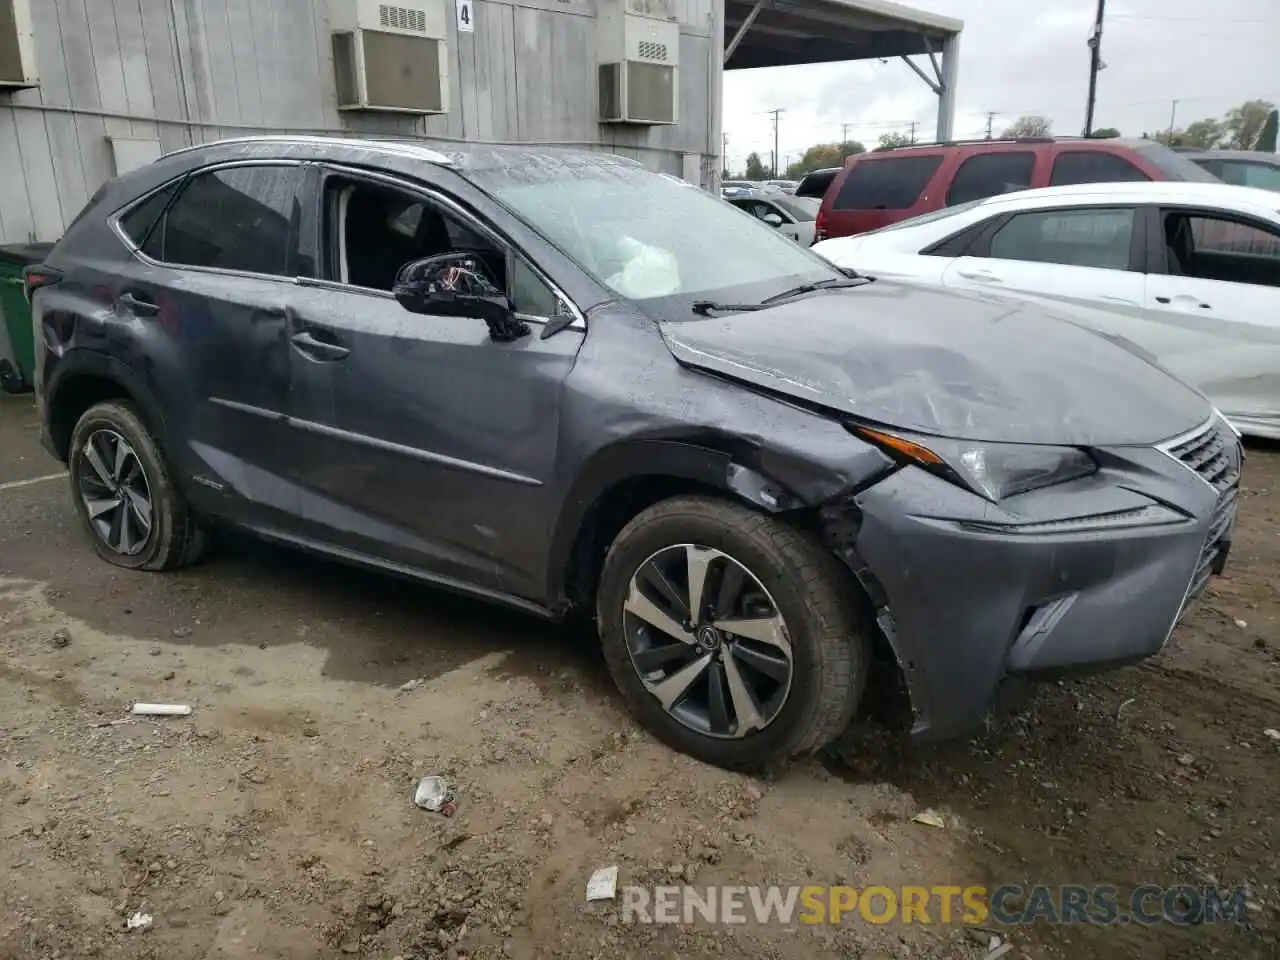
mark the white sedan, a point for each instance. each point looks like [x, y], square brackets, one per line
[791, 216]
[1190, 272]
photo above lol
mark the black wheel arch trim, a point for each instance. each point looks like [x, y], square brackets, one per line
[79, 363]
[767, 480]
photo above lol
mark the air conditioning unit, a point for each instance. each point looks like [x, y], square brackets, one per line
[390, 57]
[17, 46]
[638, 44]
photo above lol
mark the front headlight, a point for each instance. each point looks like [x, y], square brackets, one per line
[992, 470]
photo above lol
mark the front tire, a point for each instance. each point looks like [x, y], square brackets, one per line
[120, 483]
[733, 636]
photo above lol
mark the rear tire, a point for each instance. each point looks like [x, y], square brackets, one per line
[122, 490]
[797, 606]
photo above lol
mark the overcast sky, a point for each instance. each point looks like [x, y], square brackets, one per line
[1026, 56]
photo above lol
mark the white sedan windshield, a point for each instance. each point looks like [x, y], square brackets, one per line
[645, 235]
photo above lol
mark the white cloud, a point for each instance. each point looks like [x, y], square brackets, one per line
[1209, 58]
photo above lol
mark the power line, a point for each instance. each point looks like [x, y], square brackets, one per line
[1130, 16]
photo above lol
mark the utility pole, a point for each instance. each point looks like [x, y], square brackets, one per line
[1173, 116]
[1095, 64]
[913, 131]
[724, 154]
[775, 138]
[844, 138]
[991, 120]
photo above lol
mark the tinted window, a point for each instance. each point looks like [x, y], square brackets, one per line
[529, 295]
[1246, 173]
[987, 174]
[1078, 238]
[816, 184]
[137, 223]
[233, 219]
[1093, 166]
[892, 183]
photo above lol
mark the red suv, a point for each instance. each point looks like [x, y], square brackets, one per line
[894, 183]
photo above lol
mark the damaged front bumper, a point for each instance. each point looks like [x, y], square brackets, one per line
[1087, 575]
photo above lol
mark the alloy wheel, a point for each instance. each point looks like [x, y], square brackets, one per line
[708, 641]
[114, 489]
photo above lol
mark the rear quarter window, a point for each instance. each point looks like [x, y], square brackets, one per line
[888, 183]
[1093, 166]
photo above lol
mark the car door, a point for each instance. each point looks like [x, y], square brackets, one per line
[215, 258]
[419, 439]
[1091, 256]
[762, 208]
[1213, 292]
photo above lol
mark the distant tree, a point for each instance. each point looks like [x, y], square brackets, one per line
[1267, 139]
[894, 139]
[1203, 134]
[1105, 133]
[1243, 124]
[756, 169]
[1030, 126]
[851, 148]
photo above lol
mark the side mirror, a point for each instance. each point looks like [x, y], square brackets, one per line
[458, 285]
[772, 219]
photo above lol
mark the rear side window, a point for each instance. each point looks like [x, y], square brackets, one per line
[1246, 173]
[894, 183]
[236, 218]
[816, 184]
[1075, 238]
[989, 174]
[137, 223]
[1093, 166]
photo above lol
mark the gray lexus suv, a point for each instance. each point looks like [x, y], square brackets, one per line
[557, 381]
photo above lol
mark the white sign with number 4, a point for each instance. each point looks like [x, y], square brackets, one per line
[466, 17]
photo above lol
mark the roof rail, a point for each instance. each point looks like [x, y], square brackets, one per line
[389, 144]
[978, 140]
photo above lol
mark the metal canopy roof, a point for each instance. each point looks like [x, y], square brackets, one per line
[782, 33]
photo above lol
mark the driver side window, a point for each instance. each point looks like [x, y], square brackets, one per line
[371, 231]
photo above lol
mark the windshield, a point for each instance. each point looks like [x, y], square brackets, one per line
[646, 236]
[803, 209]
[1175, 165]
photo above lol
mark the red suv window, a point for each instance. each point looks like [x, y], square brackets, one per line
[891, 183]
[1093, 166]
[987, 174]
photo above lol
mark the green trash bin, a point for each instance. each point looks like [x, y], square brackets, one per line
[18, 362]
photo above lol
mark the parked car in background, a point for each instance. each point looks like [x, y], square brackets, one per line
[815, 184]
[1244, 168]
[887, 185]
[558, 381]
[782, 186]
[1187, 271]
[793, 217]
[736, 188]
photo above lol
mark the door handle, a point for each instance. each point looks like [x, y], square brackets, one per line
[317, 349]
[143, 308]
[985, 276]
[1185, 299]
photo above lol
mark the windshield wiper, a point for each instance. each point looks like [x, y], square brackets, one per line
[836, 283]
[706, 307]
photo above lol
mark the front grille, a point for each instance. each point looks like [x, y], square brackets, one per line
[1213, 452]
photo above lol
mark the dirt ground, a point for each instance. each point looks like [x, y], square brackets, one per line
[277, 820]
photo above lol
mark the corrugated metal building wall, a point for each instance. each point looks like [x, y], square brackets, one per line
[189, 71]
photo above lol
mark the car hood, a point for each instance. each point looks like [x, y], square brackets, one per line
[946, 363]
